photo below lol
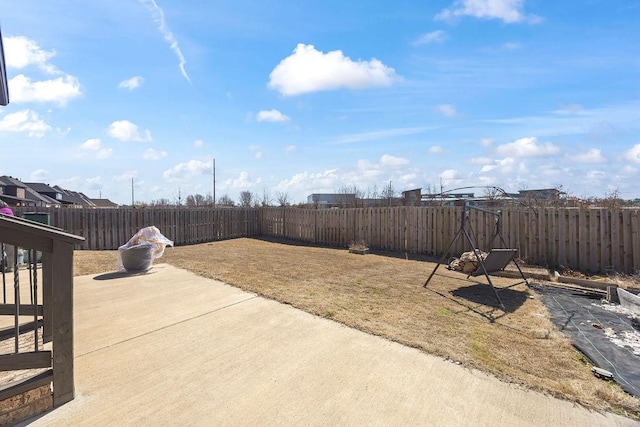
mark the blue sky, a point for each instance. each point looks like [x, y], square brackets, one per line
[314, 96]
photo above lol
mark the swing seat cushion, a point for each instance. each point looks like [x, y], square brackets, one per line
[496, 260]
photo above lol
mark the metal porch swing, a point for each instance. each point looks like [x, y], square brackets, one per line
[497, 258]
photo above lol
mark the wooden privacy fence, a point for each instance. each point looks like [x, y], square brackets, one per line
[111, 228]
[586, 239]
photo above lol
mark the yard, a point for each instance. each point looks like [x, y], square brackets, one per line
[382, 294]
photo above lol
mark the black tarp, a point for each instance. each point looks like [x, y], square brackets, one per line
[587, 320]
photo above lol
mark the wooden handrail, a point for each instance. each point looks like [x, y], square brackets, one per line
[56, 309]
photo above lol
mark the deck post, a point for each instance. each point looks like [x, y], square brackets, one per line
[62, 310]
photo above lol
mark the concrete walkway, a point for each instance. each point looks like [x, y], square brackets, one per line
[172, 348]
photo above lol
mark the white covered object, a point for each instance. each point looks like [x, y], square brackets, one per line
[140, 251]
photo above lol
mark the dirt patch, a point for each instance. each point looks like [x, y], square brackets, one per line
[455, 317]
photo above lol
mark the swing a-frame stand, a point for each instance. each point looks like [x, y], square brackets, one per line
[496, 260]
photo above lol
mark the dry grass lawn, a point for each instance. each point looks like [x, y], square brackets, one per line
[454, 318]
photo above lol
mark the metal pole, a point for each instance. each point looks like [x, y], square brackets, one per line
[214, 183]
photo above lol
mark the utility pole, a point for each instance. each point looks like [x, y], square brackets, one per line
[132, 198]
[214, 183]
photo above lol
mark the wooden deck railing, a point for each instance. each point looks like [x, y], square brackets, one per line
[38, 324]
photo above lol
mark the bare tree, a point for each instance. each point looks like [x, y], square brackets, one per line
[492, 193]
[388, 193]
[611, 200]
[226, 201]
[345, 196]
[372, 192]
[282, 198]
[246, 199]
[266, 198]
[431, 189]
[161, 203]
[195, 200]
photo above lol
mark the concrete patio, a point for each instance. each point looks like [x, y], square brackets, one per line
[172, 348]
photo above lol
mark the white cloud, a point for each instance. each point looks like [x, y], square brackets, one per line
[593, 155]
[132, 83]
[157, 14]
[24, 121]
[309, 70]
[595, 175]
[58, 90]
[437, 36]
[486, 142]
[124, 130]
[505, 165]
[78, 183]
[508, 11]
[450, 177]
[289, 148]
[94, 146]
[569, 109]
[446, 110]
[21, 52]
[198, 143]
[151, 154]
[327, 180]
[272, 116]
[91, 144]
[126, 176]
[481, 161]
[379, 134]
[242, 182]
[256, 150]
[38, 175]
[527, 147]
[512, 46]
[633, 154]
[188, 170]
[436, 149]
[390, 161]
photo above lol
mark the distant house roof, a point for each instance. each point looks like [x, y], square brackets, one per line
[11, 181]
[73, 197]
[16, 200]
[8, 181]
[42, 198]
[4, 86]
[104, 203]
[41, 187]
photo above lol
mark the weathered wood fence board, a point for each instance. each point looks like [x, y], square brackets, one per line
[585, 239]
[111, 228]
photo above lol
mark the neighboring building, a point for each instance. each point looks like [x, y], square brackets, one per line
[332, 200]
[46, 190]
[14, 192]
[447, 199]
[543, 194]
[412, 197]
[74, 199]
[41, 200]
[104, 203]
